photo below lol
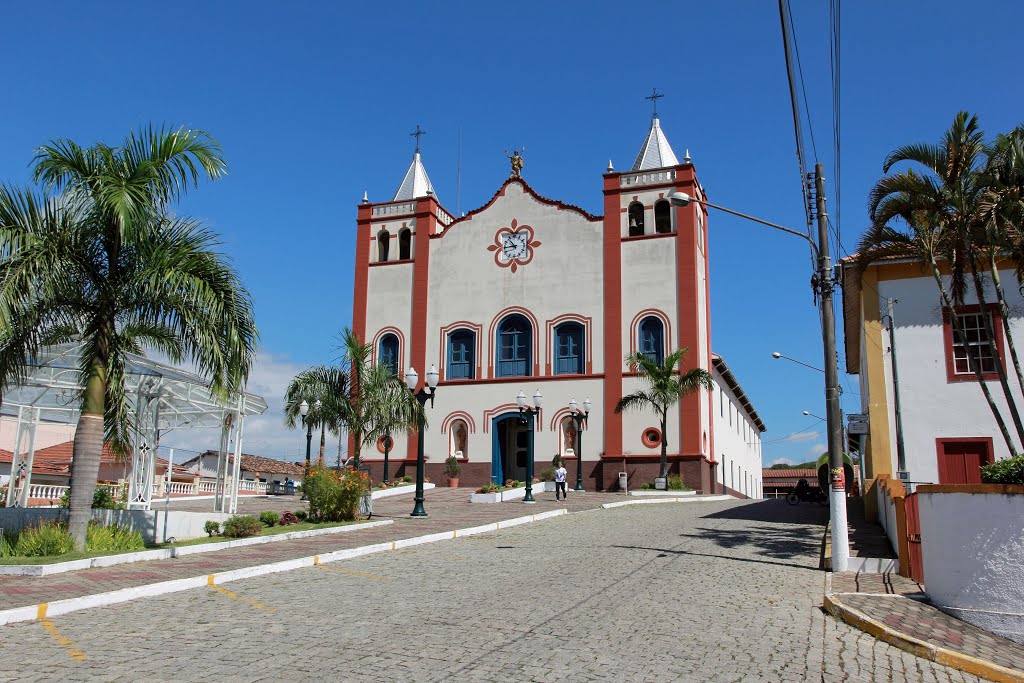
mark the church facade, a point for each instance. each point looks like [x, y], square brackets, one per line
[532, 294]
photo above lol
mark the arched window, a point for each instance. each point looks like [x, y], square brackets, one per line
[636, 219]
[405, 244]
[514, 347]
[662, 217]
[383, 245]
[461, 363]
[652, 339]
[569, 349]
[458, 439]
[387, 354]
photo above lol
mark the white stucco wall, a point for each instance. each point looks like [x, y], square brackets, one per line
[737, 442]
[931, 406]
[972, 545]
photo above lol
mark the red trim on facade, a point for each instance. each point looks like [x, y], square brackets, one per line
[656, 235]
[426, 222]
[401, 346]
[947, 342]
[651, 437]
[634, 331]
[498, 246]
[364, 215]
[707, 333]
[689, 318]
[478, 333]
[510, 407]
[613, 226]
[458, 415]
[405, 262]
[549, 333]
[530, 191]
[512, 380]
[493, 342]
[559, 415]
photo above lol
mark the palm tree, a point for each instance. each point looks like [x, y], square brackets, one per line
[364, 400]
[102, 262]
[666, 385]
[943, 207]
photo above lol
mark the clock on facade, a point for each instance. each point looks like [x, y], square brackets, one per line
[513, 246]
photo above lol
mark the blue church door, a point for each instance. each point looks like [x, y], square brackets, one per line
[510, 449]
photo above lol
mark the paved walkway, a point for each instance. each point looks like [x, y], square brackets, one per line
[895, 609]
[447, 509]
[714, 591]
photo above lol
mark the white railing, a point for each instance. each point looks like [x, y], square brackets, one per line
[394, 209]
[207, 487]
[444, 218]
[647, 178]
[46, 491]
[252, 485]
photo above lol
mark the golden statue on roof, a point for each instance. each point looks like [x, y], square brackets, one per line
[516, 160]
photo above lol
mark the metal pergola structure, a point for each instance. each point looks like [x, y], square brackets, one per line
[161, 398]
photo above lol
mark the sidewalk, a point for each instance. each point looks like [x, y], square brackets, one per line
[448, 509]
[894, 609]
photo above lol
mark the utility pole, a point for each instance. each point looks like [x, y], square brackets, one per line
[901, 454]
[837, 474]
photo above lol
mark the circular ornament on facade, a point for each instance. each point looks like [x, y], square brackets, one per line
[651, 437]
[513, 246]
[390, 443]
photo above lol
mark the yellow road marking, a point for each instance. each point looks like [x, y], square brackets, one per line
[41, 611]
[236, 596]
[353, 572]
[62, 640]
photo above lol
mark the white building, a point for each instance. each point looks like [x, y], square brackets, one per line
[948, 428]
[532, 294]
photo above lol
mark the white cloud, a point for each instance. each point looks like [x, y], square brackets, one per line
[264, 434]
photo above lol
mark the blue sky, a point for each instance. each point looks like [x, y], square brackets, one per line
[313, 103]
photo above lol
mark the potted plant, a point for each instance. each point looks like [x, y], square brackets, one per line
[452, 469]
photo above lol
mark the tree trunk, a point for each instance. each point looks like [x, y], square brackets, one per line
[86, 452]
[339, 449]
[979, 289]
[323, 443]
[1004, 313]
[664, 445]
[955, 322]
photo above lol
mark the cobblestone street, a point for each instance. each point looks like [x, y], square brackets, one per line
[725, 591]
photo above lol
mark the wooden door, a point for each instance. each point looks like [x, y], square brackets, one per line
[960, 460]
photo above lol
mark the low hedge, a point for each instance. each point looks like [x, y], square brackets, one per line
[1009, 471]
[242, 526]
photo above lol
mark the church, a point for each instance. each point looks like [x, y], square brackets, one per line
[486, 300]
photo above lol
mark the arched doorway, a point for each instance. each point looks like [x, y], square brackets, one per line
[510, 448]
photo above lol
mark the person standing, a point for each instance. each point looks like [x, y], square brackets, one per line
[560, 480]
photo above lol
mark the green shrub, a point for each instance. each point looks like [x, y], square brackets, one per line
[334, 496]
[1008, 471]
[675, 483]
[301, 515]
[489, 487]
[268, 518]
[407, 479]
[46, 539]
[211, 528]
[547, 474]
[452, 469]
[114, 538]
[646, 487]
[242, 526]
[101, 499]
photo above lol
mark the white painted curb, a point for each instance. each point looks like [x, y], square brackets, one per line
[652, 501]
[42, 610]
[399, 490]
[167, 553]
[676, 494]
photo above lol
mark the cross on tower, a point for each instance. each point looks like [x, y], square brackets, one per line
[654, 97]
[416, 134]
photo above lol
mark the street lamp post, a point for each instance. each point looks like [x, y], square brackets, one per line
[822, 284]
[776, 355]
[527, 416]
[412, 380]
[304, 411]
[579, 418]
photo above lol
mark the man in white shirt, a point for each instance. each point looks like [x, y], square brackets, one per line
[560, 480]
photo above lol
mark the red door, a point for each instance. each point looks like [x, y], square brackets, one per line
[960, 460]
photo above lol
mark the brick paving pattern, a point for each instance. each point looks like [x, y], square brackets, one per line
[866, 582]
[717, 591]
[924, 622]
[447, 509]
